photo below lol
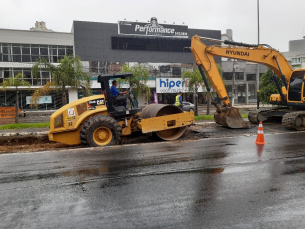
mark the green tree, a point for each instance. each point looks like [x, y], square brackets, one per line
[68, 73]
[195, 81]
[16, 82]
[267, 86]
[138, 80]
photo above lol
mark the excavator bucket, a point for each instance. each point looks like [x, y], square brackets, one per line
[230, 118]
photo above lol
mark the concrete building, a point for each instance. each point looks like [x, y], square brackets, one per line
[296, 54]
[245, 73]
[245, 80]
[18, 51]
[162, 48]
[40, 26]
[104, 48]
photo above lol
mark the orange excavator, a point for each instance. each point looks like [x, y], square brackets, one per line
[291, 97]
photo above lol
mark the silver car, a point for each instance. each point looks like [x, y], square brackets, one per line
[187, 106]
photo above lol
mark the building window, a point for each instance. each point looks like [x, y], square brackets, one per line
[227, 75]
[151, 44]
[251, 93]
[42, 78]
[7, 72]
[26, 50]
[241, 93]
[251, 77]
[176, 71]
[16, 50]
[16, 58]
[16, 71]
[26, 58]
[30, 53]
[35, 51]
[239, 75]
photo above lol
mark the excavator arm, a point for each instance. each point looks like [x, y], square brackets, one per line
[204, 58]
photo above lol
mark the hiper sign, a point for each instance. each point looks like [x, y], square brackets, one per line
[174, 85]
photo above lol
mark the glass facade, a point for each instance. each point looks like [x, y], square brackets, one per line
[42, 79]
[151, 44]
[8, 98]
[229, 75]
[156, 70]
[251, 77]
[32, 52]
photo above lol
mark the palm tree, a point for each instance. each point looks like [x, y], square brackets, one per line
[138, 80]
[68, 73]
[195, 81]
[16, 82]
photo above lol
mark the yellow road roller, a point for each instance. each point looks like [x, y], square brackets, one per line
[102, 120]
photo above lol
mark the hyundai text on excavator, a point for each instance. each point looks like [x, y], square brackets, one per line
[291, 97]
[102, 120]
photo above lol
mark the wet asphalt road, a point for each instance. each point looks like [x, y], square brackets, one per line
[208, 183]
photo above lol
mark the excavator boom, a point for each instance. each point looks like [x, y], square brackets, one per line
[225, 115]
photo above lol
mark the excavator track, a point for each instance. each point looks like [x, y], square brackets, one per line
[253, 115]
[294, 120]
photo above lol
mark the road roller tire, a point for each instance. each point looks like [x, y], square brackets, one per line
[100, 130]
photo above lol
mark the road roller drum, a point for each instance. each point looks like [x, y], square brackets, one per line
[159, 110]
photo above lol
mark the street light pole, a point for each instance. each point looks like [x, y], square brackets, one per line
[257, 70]
[233, 87]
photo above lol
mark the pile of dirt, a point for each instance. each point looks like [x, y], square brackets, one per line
[28, 143]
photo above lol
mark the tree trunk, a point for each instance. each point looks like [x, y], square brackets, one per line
[196, 102]
[64, 97]
[17, 107]
[84, 90]
[208, 103]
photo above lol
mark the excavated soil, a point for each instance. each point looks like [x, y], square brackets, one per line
[28, 143]
[34, 143]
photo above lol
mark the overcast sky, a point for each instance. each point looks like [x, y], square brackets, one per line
[280, 20]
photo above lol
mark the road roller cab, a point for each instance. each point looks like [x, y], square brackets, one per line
[99, 121]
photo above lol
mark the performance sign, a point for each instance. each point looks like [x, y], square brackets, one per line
[153, 28]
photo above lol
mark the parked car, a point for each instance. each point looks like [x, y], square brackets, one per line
[187, 106]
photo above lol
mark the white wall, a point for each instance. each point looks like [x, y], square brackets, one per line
[73, 94]
[35, 37]
[141, 101]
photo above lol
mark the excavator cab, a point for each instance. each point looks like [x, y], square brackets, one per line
[295, 86]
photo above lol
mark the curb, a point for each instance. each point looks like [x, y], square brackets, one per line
[203, 123]
[14, 134]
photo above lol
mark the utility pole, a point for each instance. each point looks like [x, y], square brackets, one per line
[257, 70]
[233, 86]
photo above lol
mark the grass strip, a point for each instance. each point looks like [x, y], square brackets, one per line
[211, 117]
[24, 125]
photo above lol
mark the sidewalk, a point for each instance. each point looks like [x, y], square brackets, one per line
[24, 132]
[202, 108]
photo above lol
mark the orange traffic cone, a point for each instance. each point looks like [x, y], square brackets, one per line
[260, 140]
